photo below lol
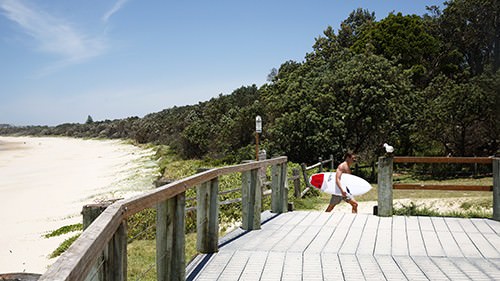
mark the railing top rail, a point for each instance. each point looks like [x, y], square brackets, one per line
[411, 159]
[77, 261]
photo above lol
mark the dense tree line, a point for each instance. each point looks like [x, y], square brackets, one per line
[428, 84]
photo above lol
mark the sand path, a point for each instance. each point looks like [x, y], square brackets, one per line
[44, 182]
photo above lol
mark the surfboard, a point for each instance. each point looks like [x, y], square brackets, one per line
[354, 185]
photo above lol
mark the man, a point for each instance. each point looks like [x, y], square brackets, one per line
[344, 167]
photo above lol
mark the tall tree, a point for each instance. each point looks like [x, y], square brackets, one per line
[89, 120]
[352, 27]
[473, 27]
[405, 39]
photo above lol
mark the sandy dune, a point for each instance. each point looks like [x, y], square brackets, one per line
[44, 182]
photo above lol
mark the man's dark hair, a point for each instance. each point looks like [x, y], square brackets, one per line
[348, 155]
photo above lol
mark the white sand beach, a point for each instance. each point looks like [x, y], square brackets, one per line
[44, 182]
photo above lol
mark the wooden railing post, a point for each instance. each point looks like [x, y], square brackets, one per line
[90, 213]
[296, 182]
[320, 160]
[385, 167]
[207, 216]
[332, 164]
[496, 189]
[170, 239]
[114, 264]
[279, 197]
[251, 194]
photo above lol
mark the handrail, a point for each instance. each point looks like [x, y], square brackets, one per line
[77, 261]
[464, 160]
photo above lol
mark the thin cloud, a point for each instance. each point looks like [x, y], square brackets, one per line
[118, 5]
[53, 35]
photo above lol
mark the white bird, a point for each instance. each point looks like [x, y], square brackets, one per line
[388, 148]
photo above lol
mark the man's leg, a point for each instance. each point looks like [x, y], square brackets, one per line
[329, 208]
[333, 201]
[354, 205]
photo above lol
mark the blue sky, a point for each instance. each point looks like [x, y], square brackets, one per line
[64, 60]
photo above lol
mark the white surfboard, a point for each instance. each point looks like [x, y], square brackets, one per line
[352, 184]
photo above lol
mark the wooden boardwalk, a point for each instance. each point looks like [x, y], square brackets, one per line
[305, 245]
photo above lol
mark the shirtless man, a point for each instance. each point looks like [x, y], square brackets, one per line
[344, 167]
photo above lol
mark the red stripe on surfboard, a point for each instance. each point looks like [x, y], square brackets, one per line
[317, 180]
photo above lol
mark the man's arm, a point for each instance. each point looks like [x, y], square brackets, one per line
[338, 174]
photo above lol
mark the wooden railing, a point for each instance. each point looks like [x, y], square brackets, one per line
[103, 245]
[386, 185]
[319, 165]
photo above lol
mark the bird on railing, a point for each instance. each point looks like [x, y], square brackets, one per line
[388, 149]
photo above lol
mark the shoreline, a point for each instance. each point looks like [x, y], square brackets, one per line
[44, 183]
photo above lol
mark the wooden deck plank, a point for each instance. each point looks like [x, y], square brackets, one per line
[273, 268]
[318, 243]
[255, 266]
[342, 246]
[350, 268]
[215, 267]
[487, 250]
[495, 225]
[451, 270]
[235, 266]
[332, 271]
[494, 240]
[454, 225]
[429, 268]
[482, 226]
[416, 246]
[390, 268]
[399, 237]
[468, 226]
[311, 231]
[368, 237]
[472, 271]
[384, 237]
[353, 237]
[409, 268]
[450, 246]
[432, 244]
[312, 269]
[337, 239]
[371, 269]
[292, 269]
[487, 268]
[439, 224]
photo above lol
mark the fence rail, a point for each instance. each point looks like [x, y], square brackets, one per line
[107, 233]
[458, 160]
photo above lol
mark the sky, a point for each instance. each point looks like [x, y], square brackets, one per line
[61, 61]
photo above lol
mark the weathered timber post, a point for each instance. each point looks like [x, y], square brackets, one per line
[320, 160]
[385, 186]
[284, 187]
[207, 216]
[296, 182]
[496, 189]
[90, 213]
[279, 197]
[332, 164]
[170, 239]
[251, 194]
[114, 266]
